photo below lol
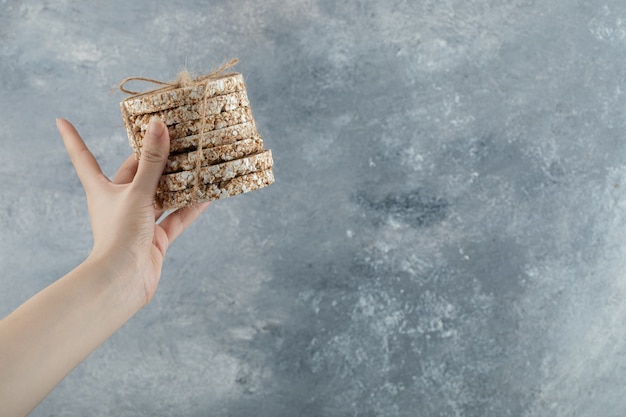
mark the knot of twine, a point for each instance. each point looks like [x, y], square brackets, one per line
[184, 80]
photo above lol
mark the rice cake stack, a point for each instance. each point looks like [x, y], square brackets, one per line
[215, 149]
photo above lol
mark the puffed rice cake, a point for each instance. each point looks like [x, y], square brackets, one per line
[154, 102]
[215, 155]
[210, 192]
[233, 159]
[211, 174]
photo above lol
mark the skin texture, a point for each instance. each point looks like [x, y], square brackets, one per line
[52, 332]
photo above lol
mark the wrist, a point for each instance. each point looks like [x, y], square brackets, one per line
[117, 273]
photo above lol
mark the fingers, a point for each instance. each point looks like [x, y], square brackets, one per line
[158, 214]
[127, 171]
[177, 222]
[83, 160]
[154, 153]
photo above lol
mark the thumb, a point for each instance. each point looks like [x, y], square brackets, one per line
[154, 152]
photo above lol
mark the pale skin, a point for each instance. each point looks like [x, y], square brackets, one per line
[55, 330]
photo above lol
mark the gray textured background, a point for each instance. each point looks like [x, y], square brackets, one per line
[446, 236]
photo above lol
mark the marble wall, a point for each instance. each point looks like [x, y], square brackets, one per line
[445, 237]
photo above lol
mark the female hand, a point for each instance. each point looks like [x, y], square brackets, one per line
[126, 232]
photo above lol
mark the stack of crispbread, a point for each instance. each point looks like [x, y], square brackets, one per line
[213, 114]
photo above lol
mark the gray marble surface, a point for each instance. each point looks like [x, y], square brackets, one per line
[446, 236]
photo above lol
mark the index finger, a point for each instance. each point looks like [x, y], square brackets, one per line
[127, 171]
[83, 160]
[178, 221]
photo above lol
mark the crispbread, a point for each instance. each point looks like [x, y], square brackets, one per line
[211, 112]
[216, 173]
[214, 105]
[155, 102]
[213, 138]
[213, 122]
[214, 155]
[208, 192]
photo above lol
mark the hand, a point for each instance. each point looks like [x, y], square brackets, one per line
[52, 332]
[126, 234]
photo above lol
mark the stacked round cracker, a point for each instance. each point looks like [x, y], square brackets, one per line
[215, 149]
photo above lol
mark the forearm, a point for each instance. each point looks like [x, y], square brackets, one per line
[51, 333]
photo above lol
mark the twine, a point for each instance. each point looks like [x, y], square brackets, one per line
[184, 80]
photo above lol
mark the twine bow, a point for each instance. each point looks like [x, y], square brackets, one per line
[184, 80]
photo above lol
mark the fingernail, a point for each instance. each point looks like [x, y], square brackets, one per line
[155, 127]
